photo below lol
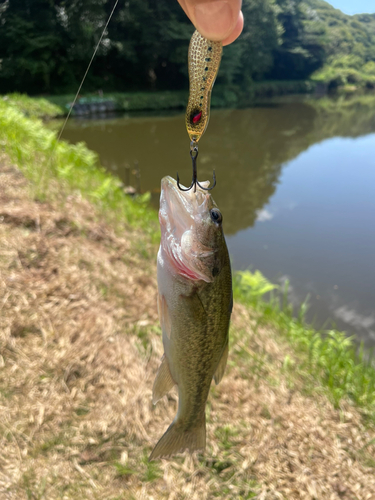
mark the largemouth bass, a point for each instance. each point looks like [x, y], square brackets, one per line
[195, 304]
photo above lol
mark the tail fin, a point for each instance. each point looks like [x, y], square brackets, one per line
[176, 440]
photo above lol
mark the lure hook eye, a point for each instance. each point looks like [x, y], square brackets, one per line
[194, 181]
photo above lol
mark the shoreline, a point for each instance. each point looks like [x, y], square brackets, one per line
[222, 97]
[105, 103]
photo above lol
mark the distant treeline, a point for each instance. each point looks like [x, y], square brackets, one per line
[45, 45]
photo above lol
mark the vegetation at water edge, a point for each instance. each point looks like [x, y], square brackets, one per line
[43, 158]
[331, 356]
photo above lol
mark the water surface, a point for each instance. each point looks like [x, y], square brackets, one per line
[295, 183]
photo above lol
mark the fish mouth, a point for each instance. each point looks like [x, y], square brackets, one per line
[179, 214]
[181, 208]
[175, 209]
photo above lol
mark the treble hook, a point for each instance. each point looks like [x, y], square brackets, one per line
[194, 182]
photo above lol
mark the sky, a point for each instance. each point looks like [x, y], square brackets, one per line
[354, 6]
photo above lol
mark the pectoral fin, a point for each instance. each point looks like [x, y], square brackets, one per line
[221, 366]
[164, 318]
[163, 381]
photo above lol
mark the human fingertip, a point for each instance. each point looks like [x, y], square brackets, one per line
[215, 20]
[236, 32]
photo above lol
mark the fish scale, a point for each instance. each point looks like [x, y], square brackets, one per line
[194, 303]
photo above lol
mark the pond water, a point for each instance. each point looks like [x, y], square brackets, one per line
[295, 184]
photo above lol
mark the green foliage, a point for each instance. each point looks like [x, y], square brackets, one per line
[300, 50]
[252, 286]
[349, 45]
[252, 54]
[44, 160]
[33, 108]
[46, 46]
[331, 356]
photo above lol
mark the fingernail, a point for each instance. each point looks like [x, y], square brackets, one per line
[214, 20]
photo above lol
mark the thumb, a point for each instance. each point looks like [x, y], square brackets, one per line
[214, 19]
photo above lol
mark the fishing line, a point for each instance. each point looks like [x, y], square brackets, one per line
[49, 160]
[87, 70]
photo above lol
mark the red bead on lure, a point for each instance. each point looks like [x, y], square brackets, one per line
[204, 63]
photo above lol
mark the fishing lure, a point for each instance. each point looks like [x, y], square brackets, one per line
[204, 63]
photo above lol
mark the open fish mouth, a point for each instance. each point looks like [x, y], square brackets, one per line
[180, 213]
[180, 208]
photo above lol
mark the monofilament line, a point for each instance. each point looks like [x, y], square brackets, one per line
[49, 160]
[87, 70]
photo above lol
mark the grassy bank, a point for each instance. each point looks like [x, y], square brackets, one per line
[293, 418]
[330, 357]
[53, 166]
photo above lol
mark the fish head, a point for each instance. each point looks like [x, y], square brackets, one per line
[192, 238]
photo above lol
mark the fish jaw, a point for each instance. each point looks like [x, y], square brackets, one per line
[182, 215]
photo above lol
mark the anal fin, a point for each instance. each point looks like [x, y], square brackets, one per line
[221, 366]
[163, 381]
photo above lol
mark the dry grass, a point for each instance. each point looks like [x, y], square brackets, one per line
[80, 346]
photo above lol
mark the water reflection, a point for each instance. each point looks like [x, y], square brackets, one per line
[318, 232]
[246, 148]
[295, 204]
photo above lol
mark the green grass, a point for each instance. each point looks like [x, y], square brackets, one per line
[44, 160]
[332, 358]
[33, 108]
[147, 471]
[124, 470]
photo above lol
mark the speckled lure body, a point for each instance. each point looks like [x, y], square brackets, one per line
[204, 62]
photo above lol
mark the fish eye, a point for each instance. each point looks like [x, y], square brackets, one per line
[216, 215]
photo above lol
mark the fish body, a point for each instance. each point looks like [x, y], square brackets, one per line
[194, 303]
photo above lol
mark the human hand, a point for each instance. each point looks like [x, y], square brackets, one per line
[217, 20]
